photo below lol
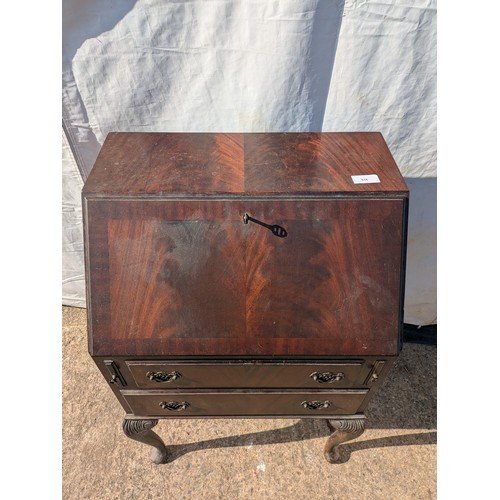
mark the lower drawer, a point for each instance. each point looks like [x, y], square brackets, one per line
[243, 403]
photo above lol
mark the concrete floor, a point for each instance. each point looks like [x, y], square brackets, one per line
[248, 458]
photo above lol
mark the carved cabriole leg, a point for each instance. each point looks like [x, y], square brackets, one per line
[140, 430]
[344, 429]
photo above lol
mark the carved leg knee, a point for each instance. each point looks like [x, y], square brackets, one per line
[344, 429]
[140, 430]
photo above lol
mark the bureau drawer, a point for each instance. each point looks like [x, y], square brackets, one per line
[243, 403]
[196, 375]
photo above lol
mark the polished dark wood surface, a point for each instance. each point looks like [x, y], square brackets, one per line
[170, 164]
[192, 375]
[244, 275]
[192, 278]
[182, 274]
[249, 403]
[363, 380]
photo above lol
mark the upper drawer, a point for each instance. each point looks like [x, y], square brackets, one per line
[156, 374]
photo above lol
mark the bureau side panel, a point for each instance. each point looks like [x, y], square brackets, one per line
[97, 277]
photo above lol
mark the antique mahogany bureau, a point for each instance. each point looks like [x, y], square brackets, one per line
[245, 275]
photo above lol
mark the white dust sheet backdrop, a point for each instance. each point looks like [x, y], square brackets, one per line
[254, 66]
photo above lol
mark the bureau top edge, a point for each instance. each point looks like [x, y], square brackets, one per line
[244, 165]
[242, 196]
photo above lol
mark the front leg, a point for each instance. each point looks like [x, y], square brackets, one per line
[343, 429]
[140, 430]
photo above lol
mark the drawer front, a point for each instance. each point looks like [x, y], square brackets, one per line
[159, 375]
[240, 403]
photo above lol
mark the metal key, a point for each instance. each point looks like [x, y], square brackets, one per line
[274, 228]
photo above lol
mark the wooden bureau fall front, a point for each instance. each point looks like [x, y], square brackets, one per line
[245, 275]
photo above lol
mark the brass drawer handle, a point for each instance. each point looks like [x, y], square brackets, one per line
[315, 405]
[174, 405]
[163, 376]
[327, 377]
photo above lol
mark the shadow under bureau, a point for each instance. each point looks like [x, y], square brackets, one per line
[244, 275]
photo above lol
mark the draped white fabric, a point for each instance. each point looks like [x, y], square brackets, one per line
[255, 66]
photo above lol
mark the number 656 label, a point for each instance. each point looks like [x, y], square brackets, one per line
[365, 179]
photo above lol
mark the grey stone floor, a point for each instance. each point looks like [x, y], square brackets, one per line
[248, 458]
